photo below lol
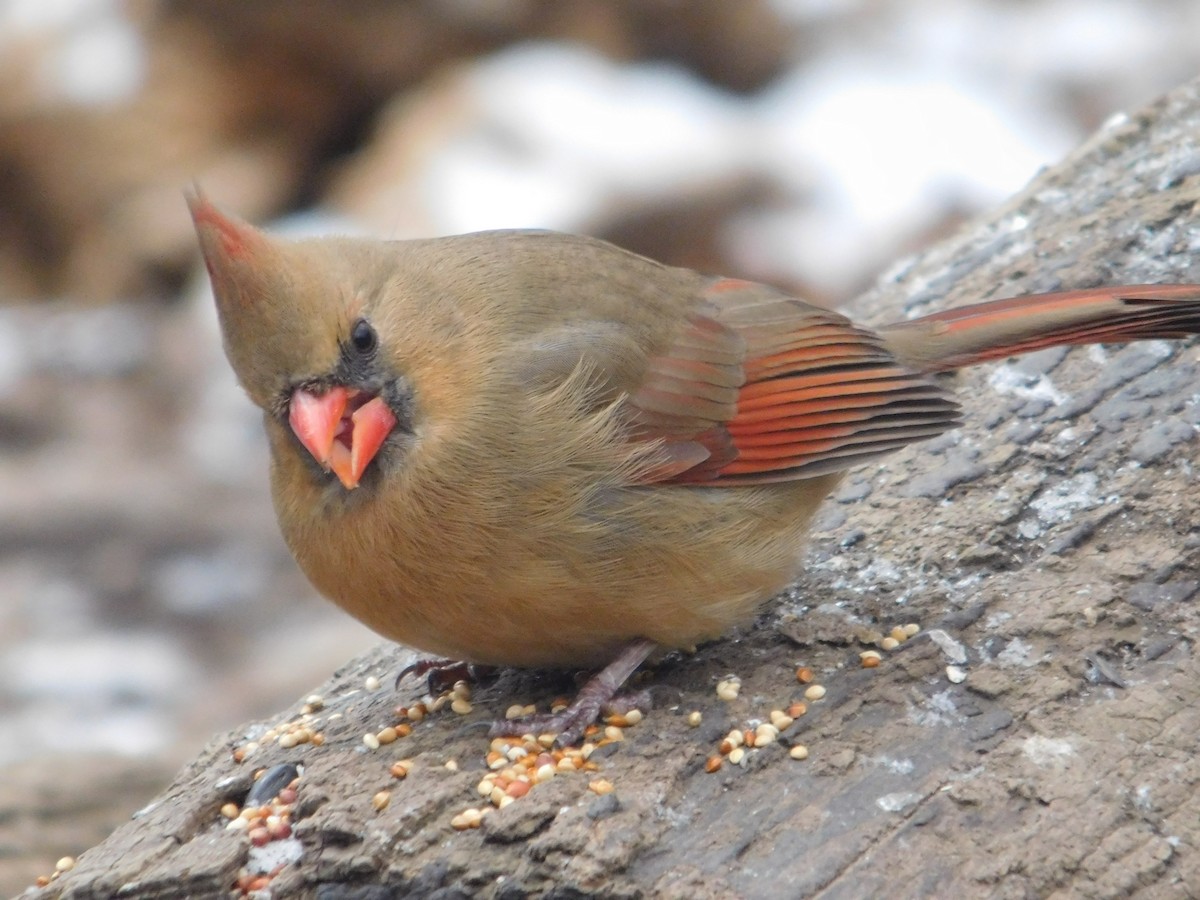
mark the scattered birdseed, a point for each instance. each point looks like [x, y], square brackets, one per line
[899, 634]
[797, 709]
[601, 786]
[372, 683]
[613, 733]
[910, 629]
[956, 674]
[381, 800]
[814, 692]
[728, 688]
[781, 720]
[870, 658]
[798, 751]
[736, 755]
[764, 734]
[625, 719]
[230, 810]
[804, 674]
[889, 643]
[735, 738]
[468, 818]
[387, 735]
[315, 701]
[559, 704]
[695, 718]
[450, 765]
[515, 711]
[461, 706]
[401, 767]
[66, 864]
[371, 741]
[712, 764]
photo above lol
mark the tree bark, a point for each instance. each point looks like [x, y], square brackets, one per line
[1048, 549]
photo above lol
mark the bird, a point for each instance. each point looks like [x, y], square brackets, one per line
[534, 449]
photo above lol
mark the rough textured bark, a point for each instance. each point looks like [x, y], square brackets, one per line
[1056, 537]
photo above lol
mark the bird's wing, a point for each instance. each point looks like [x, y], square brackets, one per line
[774, 389]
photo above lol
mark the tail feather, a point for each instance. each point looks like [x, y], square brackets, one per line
[1001, 328]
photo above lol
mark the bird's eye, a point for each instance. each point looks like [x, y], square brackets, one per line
[363, 336]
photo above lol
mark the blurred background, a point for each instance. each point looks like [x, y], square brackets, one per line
[146, 601]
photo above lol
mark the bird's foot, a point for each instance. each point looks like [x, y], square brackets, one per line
[442, 674]
[599, 693]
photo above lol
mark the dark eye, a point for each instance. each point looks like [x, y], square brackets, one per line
[363, 336]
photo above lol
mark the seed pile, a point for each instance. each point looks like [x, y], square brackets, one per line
[729, 688]
[755, 735]
[263, 824]
[517, 765]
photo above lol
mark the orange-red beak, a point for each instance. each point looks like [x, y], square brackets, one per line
[342, 428]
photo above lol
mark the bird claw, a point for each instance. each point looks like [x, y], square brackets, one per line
[569, 725]
[599, 693]
[442, 674]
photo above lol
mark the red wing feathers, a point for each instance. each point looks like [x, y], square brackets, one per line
[775, 390]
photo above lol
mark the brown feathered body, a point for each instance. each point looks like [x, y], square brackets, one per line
[588, 447]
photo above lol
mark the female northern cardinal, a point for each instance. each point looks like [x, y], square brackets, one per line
[535, 449]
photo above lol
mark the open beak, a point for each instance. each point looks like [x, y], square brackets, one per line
[342, 428]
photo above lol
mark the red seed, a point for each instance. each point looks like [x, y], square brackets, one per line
[518, 789]
[279, 830]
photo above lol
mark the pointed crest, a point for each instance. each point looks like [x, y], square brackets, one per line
[263, 323]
